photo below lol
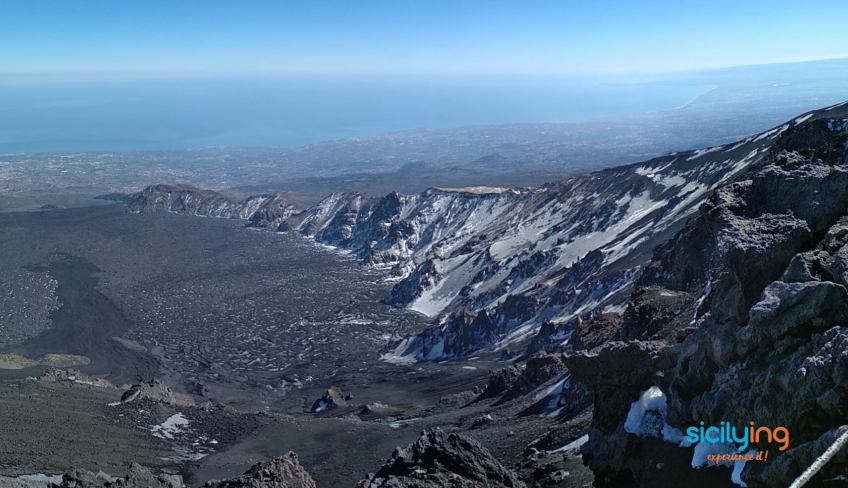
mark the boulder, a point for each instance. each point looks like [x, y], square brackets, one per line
[332, 398]
[157, 391]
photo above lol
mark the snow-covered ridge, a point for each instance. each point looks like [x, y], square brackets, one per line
[490, 265]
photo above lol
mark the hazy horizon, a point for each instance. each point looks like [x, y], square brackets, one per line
[105, 76]
[285, 112]
[182, 114]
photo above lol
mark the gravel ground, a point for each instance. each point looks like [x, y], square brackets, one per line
[258, 321]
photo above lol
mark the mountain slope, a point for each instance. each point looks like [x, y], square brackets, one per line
[491, 265]
[740, 317]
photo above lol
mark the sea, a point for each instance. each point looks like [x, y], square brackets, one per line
[49, 115]
[154, 114]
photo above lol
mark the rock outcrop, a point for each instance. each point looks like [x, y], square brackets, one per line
[500, 381]
[332, 398]
[438, 459]
[538, 370]
[137, 477]
[280, 472]
[595, 331]
[741, 317]
[72, 376]
[155, 390]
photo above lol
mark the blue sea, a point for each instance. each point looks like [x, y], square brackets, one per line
[128, 115]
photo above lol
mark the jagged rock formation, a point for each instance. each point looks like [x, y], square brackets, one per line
[539, 369]
[500, 381]
[280, 472]
[438, 459]
[742, 316]
[595, 331]
[332, 398]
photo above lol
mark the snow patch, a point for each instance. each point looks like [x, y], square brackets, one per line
[573, 445]
[652, 399]
[647, 418]
[41, 478]
[173, 425]
[401, 354]
[803, 118]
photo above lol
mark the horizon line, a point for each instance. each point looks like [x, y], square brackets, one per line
[130, 75]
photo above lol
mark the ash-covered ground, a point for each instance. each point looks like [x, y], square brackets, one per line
[232, 313]
[259, 321]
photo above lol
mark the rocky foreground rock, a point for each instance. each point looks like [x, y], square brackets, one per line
[438, 459]
[741, 317]
[280, 472]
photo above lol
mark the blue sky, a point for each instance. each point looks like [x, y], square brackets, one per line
[152, 38]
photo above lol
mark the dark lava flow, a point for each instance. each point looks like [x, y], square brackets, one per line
[85, 323]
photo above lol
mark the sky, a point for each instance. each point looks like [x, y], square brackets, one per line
[150, 38]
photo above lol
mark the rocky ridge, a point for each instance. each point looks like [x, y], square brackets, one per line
[491, 265]
[740, 317]
[258, 211]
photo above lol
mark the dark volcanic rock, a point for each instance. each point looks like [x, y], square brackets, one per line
[500, 381]
[438, 460]
[595, 331]
[137, 477]
[554, 337]
[157, 391]
[654, 313]
[538, 370]
[749, 307]
[280, 472]
[615, 375]
[332, 398]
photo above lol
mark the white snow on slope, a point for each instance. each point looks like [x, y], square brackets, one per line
[573, 445]
[170, 427]
[573, 245]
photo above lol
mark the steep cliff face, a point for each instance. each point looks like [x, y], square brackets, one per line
[741, 317]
